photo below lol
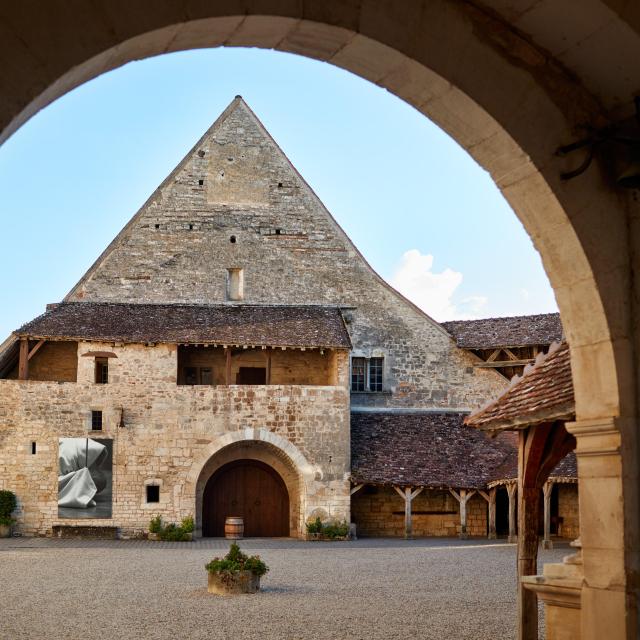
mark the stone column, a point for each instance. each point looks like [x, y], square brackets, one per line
[546, 490]
[512, 489]
[610, 594]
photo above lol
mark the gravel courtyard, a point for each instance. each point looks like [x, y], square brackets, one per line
[369, 589]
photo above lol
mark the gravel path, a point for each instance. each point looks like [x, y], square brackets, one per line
[369, 589]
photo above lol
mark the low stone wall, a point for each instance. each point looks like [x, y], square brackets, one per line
[379, 512]
[568, 510]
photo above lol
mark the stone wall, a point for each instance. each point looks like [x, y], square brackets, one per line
[568, 510]
[309, 367]
[54, 361]
[379, 512]
[235, 202]
[170, 433]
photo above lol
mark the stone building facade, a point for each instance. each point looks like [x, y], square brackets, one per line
[231, 322]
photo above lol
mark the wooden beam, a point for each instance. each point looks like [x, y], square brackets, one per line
[503, 363]
[23, 362]
[512, 488]
[510, 354]
[463, 497]
[529, 453]
[491, 501]
[494, 356]
[268, 374]
[356, 488]
[35, 349]
[228, 367]
[546, 492]
[407, 495]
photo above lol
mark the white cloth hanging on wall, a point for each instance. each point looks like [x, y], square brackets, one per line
[76, 458]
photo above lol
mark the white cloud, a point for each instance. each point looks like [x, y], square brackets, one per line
[434, 292]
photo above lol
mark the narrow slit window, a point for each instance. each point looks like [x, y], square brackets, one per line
[33, 448]
[235, 284]
[96, 421]
[153, 493]
[102, 370]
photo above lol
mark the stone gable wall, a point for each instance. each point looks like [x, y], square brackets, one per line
[178, 249]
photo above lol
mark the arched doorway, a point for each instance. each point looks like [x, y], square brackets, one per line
[252, 490]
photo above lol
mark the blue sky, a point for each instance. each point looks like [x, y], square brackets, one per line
[423, 213]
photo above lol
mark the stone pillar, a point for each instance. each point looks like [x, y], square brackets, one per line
[512, 489]
[609, 593]
[546, 490]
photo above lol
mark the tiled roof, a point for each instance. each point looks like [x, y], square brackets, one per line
[543, 393]
[424, 449]
[517, 331]
[280, 326]
[508, 470]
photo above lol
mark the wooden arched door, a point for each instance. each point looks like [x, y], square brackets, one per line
[252, 490]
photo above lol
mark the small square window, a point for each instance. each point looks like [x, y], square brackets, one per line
[96, 421]
[153, 493]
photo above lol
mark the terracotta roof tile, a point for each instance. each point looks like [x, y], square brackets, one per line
[543, 393]
[517, 331]
[281, 326]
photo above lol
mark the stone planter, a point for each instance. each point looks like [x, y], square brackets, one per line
[5, 530]
[152, 536]
[226, 584]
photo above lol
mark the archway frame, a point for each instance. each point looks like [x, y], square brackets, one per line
[510, 105]
[253, 444]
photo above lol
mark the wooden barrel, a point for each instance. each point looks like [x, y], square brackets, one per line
[234, 528]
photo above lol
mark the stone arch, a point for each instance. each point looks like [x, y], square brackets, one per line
[253, 444]
[510, 104]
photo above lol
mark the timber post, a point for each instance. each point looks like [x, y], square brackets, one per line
[490, 497]
[23, 362]
[463, 497]
[546, 489]
[228, 367]
[512, 489]
[407, 495]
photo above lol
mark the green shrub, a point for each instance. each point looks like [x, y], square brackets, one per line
[8, 503]
[236, 561]
[187, 524]
[315, 526]
[336, 530]
[172, 532]
[155, 526]
[329, 530]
